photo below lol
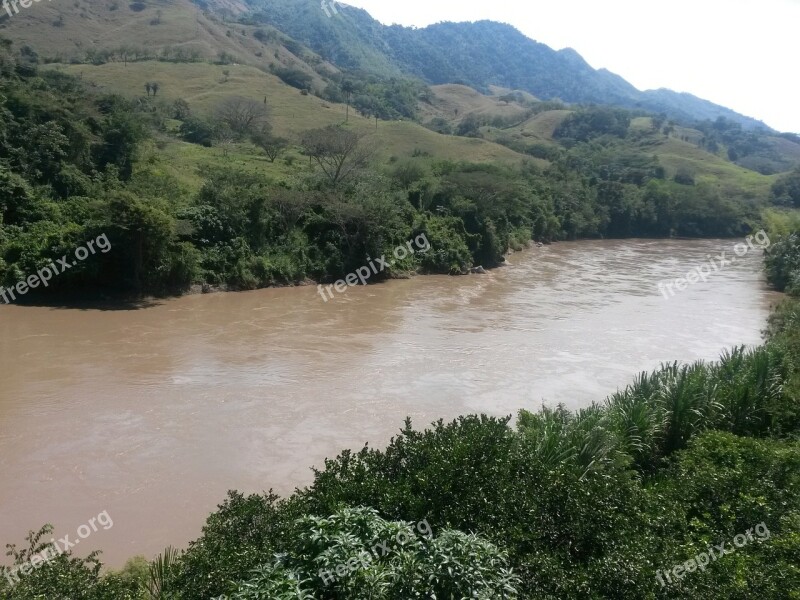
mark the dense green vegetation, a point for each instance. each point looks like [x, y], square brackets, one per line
[70, 170]
[787, 189]
[746, 148]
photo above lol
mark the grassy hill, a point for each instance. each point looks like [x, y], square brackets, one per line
[267, 32]
[203, 86]
[70, 30]
[540, 127]
[171, 30]
[453, 102]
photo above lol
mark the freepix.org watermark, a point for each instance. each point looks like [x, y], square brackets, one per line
[714, 265]
[329, 6]
[44, 275]
[714, 553]
[22, 3]
[419, 245]
[58, 547]
[365, 557]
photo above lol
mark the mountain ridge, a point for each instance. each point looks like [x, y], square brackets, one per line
[480, 54]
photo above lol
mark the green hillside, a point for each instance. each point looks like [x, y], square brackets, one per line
[489, 54]
[481, 172]
[205, 86]
[244, 31]
[255, 161]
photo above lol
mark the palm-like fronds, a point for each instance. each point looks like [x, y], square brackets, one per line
[160, 571]
[637, 420]
[686, 398]
[559, 437]
[751, 384]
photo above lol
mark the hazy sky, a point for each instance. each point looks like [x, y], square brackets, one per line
[742, 54]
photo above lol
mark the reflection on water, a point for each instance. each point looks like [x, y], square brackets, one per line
[153, 414]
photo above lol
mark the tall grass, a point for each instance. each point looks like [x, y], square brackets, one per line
[661, 412]
[559, 437]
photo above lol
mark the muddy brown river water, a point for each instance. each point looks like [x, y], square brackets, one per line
[152, 414]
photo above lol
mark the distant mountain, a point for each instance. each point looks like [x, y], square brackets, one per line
[478, 54]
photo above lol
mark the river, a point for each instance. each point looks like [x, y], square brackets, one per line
[152, 414]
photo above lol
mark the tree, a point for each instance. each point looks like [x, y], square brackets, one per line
[241, 115]
[684, 176]
[469, 126]
[508, 98]
[407, 173]
[122, 132]
[452, 564]
[125, 52]
[787, 189]
[594, 122]
[336, 150]
[348, 87]
[143, 228]
[294, 77]
[181, 110]
[271, 145]
[224, 137]
[197, 131]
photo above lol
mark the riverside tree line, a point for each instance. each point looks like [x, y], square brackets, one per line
[71, 168]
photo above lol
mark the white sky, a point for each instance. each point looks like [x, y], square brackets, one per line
[742, 54]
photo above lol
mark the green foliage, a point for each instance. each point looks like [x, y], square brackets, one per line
[660, 412]
[786, 190]
[720, 487]
[161, 571]
[337, 151]
[780, 223]
[69, 171]
[356, 554]
[449, 251]
[584, 504]
[239, 537]
[62, 575]
[782, 260]
[197, 131]
[273, 146]
[408, 172]
[146, 256]
[294, 77]
[122, 132]
[590, 123]
[751, 149]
